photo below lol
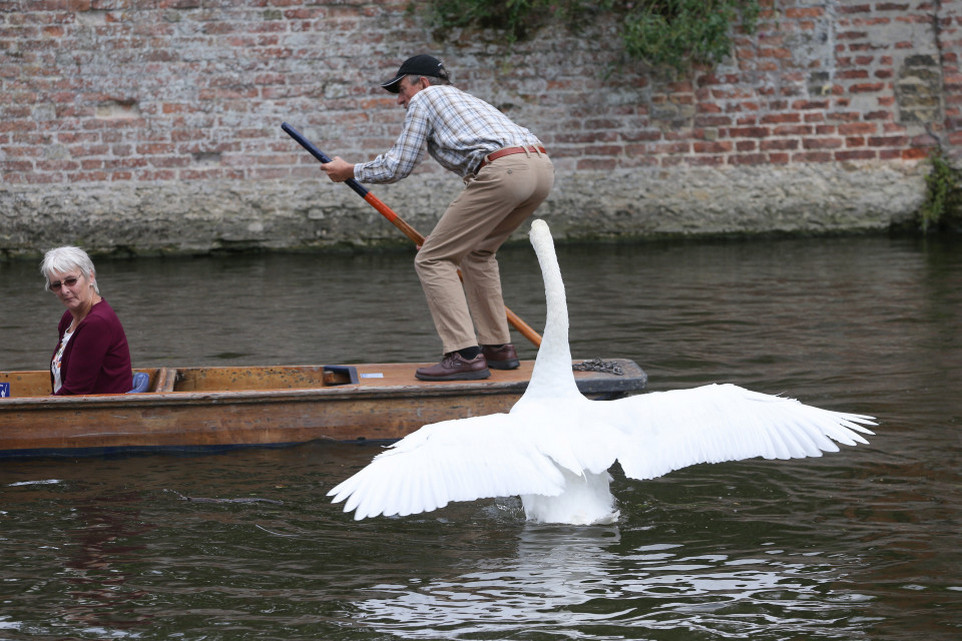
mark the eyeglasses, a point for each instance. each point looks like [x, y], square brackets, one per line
[70, 281]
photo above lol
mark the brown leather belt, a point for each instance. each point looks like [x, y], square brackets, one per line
[507, 151]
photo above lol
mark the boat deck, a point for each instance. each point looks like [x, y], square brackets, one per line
[198, 408]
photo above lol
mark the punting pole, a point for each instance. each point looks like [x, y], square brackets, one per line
[399, 222]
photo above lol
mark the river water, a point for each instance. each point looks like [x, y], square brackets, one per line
[862, 544]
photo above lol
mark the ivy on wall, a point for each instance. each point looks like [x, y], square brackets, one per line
[660, 33]
[943, 194]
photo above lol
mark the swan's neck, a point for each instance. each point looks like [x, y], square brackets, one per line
[552, 375]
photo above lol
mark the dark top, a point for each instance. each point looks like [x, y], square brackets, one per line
[97, 359]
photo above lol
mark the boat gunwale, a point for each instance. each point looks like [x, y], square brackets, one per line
[588, 382]
[214, 420]
[254, 395]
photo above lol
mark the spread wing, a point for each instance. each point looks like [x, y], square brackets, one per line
[666, 431]
[523, 452]
[457, 460]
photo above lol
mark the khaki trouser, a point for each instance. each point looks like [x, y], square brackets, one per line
[493, 204]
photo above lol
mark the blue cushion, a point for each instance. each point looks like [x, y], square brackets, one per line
[141, 381]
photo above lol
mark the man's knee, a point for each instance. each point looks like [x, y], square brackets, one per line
[423, 263]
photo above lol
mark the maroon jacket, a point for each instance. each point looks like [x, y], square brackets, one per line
[97, 359]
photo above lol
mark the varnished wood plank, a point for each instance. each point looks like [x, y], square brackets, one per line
[246, 406]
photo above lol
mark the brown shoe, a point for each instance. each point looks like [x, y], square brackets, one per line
[454, 367]
[501, 356]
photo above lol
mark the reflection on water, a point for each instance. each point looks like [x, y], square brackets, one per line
[564, 579]
[863, 544]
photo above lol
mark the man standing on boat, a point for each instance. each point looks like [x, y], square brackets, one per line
[507, 175]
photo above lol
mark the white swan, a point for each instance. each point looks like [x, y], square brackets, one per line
[555, 446]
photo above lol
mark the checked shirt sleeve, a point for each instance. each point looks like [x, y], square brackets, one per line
[409, 149]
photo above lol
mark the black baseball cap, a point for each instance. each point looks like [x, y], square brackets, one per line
[420, 65]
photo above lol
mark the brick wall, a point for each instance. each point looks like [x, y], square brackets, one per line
[949, 41]
[164, 115]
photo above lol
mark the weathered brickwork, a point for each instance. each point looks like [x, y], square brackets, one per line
[949, 29]
[154, 125]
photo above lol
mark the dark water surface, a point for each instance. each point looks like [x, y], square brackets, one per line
[863, 544]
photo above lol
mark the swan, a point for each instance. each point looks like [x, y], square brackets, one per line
[555, 446]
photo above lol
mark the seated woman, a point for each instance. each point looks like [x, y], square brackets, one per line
[92, 356]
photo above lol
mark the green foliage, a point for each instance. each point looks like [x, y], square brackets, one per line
[516, 18]
[675, 33]
[943, 187]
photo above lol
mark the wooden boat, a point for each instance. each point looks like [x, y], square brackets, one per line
[212, 408]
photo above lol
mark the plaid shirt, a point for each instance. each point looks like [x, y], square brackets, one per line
[457, 129]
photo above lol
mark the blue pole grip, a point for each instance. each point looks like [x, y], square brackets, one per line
[320, 155]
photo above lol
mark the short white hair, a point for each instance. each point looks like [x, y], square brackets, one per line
[65, 259]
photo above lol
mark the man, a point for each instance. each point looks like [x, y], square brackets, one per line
[507, 174]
